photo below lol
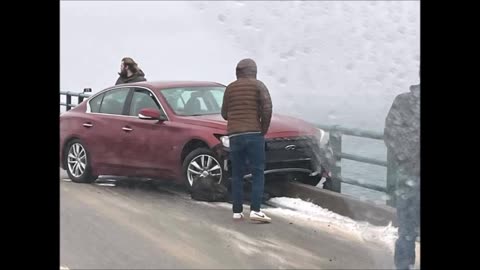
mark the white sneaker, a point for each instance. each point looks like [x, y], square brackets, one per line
[237, 215]
[259, 216]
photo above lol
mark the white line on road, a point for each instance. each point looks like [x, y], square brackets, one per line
[64, 268]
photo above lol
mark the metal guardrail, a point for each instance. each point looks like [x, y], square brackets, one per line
[353, 131]
[68, 104]
[336, 133]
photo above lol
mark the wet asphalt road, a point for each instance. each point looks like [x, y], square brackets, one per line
[137, 225]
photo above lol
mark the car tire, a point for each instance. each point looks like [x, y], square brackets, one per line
[199, 169]
[77, 162]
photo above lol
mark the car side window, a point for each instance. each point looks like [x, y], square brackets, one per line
[143, 99]
[95, 103]
[114, 101]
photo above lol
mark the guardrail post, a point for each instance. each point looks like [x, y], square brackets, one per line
[80, 99]
[391, 181]
[69, 101]
[336, 144]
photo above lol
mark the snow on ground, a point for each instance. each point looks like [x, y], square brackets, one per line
[308, 214]
[318, 216]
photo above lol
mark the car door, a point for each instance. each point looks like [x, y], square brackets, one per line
[107, 117]
[147, 143]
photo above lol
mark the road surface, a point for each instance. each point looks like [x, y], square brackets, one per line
[145, 226]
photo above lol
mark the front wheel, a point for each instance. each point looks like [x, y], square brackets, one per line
[201, 163]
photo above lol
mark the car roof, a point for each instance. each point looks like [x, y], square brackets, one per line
[174, 84]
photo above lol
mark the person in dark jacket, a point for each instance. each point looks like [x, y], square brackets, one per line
[402, 138]
[247, 107]
[130, 72]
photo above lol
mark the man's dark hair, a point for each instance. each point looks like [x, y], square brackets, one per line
[130, 63]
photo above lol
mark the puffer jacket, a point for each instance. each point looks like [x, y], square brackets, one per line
[139, 76]
[247, 105]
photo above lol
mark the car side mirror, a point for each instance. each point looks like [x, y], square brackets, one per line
[151, 114]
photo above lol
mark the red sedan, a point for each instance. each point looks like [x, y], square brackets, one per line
[174, 130]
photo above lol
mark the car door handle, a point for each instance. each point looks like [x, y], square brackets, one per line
[87, 125]
[127, 129]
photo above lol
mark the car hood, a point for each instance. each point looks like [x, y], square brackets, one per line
[279, 125]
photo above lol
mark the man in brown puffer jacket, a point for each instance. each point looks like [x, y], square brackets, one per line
[247, 107]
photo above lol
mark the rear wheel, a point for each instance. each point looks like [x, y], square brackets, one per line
[200, 163]
[77, 160]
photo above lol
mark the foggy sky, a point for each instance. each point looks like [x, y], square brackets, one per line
[328, 62]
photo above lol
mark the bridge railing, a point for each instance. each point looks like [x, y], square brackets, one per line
[68, 98]
[336, 133]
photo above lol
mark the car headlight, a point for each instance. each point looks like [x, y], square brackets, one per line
[323, 139]
[225, 141]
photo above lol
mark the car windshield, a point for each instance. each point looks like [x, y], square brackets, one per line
[193, 101]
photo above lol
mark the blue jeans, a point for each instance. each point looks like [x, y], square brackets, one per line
[408, 217]
[249, 147]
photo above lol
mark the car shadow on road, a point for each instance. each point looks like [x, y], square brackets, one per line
[165, 187]
[150, 185]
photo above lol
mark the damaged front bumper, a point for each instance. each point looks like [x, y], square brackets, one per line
[309, 165]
